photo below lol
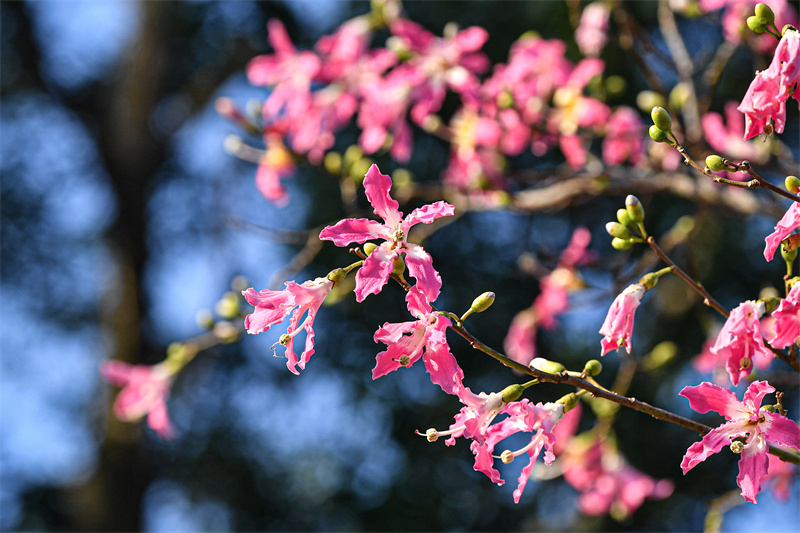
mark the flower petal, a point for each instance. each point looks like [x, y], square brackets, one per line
[781, 430]
[755, 393]
[712, 443]
[352, 230]
[709, 397]
[427, 214]
[377, 187]
[420, 266]
[752, 465]
[372, 276]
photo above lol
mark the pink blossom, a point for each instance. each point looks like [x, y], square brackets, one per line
[424, 338]
[372, 276]
[735, 15]
[592, 32]
[780, 478]
[607, 483]
[383, 111]
[725, 136]
[523, 416]
[740, 340]
[272, 307]
[787, 319]
[276, 164]
[624, 137]
[145, 390]
[618, 326]
[785, 226]
[474, 418]
[763, 105]
[743, 418]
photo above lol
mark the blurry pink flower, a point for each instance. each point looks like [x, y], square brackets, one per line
[785, 226]
[424, 338]
[372, 276]
[618, 326]
[523, 416]
[763, 104]
[787, 319]
[726, 136]
[592, 32]
[383, 110]
[520, 341]
[607, 483]
[438, 63]
[624, 137]
[276, 163]
[735, 16]
[743, 418]
[145, 390]
[780, 478]
[272, 307]
[740, 340]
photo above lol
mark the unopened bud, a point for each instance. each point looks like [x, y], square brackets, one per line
[369, 247]
[228, 306]
[770, 304]
[337, 276]
[507, 456]
[615, 229]
[432, 435]
[512, 393]
[333, 163]
[790, 243]
[204, 319]
[649, 280]
[756, 24]
[737, 446]
[624, 218]
[770, 408]
[792, 184]
[621, 244]
[569, 401]
[789, 255]
[634, 207]
[679, 95]
[482, 302]
[658, 135]
[715, 163]
[661, 118]
[593, 367]
[765, 12]
[399, 266]
[551, 367]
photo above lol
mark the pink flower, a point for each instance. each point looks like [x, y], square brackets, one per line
[787, 319]
[272, 307]
[740, 340]
[276, 164]
[784, 228]
[725, 136]
[624, 137]
[145, 390]
[743, 418]
[474, 418]
[592, 32]
[780, 478]
[425, 338]
[372, 276]
[523, 416]
[608, 484]
[618, 326]
[765, 100]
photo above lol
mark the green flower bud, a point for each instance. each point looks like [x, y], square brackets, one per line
[790, 243]
[770, 304]
[756, 24]
[634, 207]
[764, 12]
[337, 276]
[204, 319]
[661, 118]
[399, 266]
[792, 184]
[228, 306]
[369, 247]
[551, 367]
[621, 244]
[770, 408]
[351, 155]
[593, 367]
[482, 302]
[624, 218]
[649, 280]
[658, 135]
[714, 162]
[333, 163]
[679, 95]
[789, 255]
[569, 401]
[512, 393]
[615, 229]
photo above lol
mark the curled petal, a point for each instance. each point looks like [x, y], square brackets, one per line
[781, 430]
[427, 214]
[377, 187]
[372, 276]
[352, 230]
[709, 397]
[785, 226]
[389, 359]
[712, 443]
[755, 393]
[420, 266]
[443, 367]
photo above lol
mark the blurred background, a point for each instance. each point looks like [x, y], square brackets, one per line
[122, 217]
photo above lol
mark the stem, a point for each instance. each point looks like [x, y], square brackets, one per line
[600, 392]
[707, 298]
[745, 166]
